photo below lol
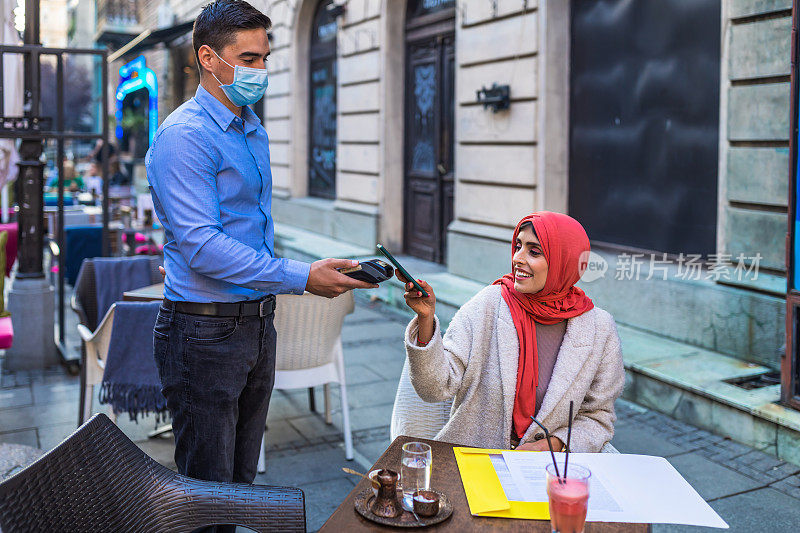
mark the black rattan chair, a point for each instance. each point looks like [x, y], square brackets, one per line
[99, 480]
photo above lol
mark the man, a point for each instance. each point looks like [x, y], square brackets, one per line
[211, 184]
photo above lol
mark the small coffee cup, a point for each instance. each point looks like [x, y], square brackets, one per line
[426, 503]
[373, 476]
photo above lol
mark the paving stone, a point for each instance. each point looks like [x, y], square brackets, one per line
[19, 378]
[787, 487]
[373, 450]
[34, 416]
[635, 438]
[783, 470]
[323, 498]
[360, 418]
[765, 510]
[45, 393]
[15, 397]
[160, 449]
[370, 417]
[391, 368]
[710, 479]
[56, 374]
[289, 403]
[367, 394]
[374, 331]
[374, 354]
[355, 374]
[313, 426]
[51, 436]
[26, 437]
[365, 312]
[280, 432]
[371, 434]
[309, 466]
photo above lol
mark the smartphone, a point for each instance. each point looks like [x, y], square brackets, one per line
[402, 270]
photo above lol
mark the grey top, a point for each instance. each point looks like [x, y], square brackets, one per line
[548, 343]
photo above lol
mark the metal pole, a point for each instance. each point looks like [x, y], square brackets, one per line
[60, 236]
[105, 155]
[30, 185]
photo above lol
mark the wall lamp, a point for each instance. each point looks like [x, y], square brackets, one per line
[498, 97]
[336, 10]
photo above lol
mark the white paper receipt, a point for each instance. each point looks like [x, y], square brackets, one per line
[623, 488]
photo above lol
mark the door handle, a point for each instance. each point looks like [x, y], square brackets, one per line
[441, 169]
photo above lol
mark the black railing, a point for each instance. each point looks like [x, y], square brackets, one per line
[34, 129]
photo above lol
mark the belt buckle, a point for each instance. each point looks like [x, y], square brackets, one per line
[261, 309]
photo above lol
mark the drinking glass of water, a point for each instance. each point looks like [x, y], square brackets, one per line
[415, 470]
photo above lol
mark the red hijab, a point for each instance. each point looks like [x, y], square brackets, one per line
[563, 240]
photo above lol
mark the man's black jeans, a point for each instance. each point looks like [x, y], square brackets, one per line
[217, 375]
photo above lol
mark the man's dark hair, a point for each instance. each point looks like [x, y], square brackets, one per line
[218, 22]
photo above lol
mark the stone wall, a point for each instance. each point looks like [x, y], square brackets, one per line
[497, 178]
[353, 216]
[755, 149]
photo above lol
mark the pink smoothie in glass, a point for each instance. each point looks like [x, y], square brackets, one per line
[569, 500]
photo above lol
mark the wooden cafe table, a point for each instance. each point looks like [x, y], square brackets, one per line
[445, 478]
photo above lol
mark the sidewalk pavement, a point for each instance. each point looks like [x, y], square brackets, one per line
[751, 490]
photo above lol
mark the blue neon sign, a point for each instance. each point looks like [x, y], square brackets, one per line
[132, 77]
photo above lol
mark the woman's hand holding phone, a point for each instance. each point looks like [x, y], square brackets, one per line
[423, 306]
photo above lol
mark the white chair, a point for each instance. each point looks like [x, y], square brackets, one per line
[417, 418]
[96, 344]
[414, 417]
[309, 351]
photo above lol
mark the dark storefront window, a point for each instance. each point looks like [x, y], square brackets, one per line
[644, 123]
[322, 126]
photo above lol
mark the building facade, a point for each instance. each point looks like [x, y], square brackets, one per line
[377, 134]
[686, 153]
[662, 126]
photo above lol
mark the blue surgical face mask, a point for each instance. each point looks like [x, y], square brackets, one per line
[249, 84]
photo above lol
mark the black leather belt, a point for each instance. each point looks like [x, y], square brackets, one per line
[261, 308]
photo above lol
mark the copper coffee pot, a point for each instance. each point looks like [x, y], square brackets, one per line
[386, 504]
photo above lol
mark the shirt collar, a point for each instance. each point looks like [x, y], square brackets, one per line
[251, 120]
[221, 114]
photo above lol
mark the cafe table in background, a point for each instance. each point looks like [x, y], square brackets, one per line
[446, 479]
[151, 293]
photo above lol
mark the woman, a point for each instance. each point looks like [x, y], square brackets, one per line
[524, 346]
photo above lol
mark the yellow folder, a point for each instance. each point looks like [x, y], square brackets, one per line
[484, 492]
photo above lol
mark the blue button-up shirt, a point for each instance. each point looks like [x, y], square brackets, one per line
[211, 184]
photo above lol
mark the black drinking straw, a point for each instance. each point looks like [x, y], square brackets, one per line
[549, 445]
[569, 436]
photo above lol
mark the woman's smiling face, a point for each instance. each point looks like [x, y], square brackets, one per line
[530, 266]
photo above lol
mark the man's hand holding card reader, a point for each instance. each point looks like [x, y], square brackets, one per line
[372, 271]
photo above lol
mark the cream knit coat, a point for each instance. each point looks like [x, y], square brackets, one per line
[476, 365]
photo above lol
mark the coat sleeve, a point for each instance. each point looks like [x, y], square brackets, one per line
[593, 425]
[437, 369]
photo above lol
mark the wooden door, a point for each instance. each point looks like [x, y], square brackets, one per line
[429, 126]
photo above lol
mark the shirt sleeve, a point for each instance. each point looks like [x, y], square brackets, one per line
[182, 171]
